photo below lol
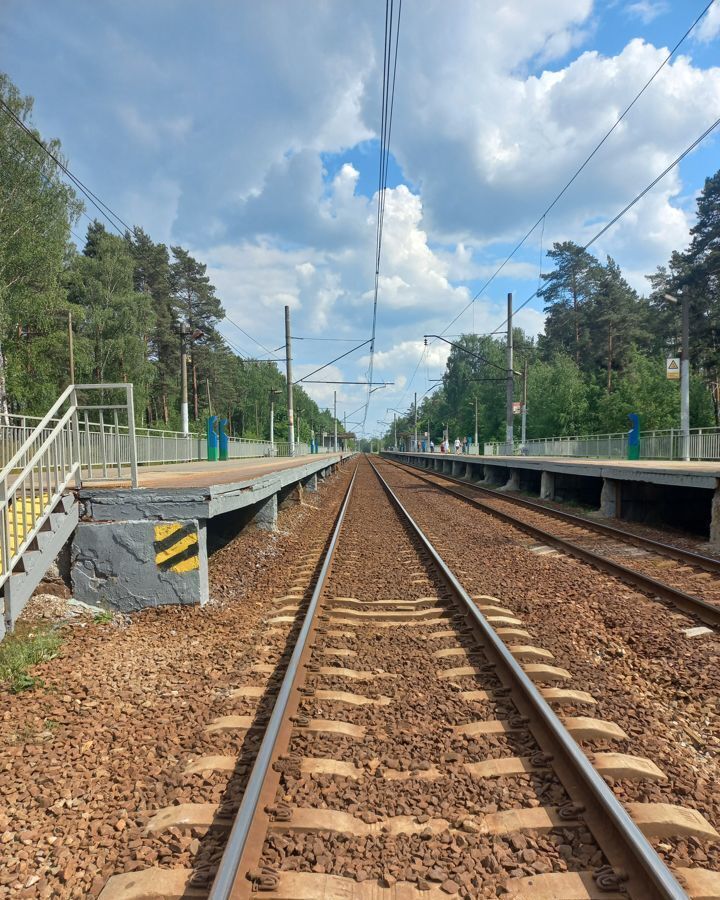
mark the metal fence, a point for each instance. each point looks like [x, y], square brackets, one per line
[105, 443]
[703, 444]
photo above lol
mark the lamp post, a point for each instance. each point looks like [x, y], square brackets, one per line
[273, 393]
[684, 302]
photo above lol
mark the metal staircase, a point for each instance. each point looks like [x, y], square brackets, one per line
[38, 509]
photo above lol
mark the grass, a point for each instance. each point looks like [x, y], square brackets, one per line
[103, 618]
[20, 652]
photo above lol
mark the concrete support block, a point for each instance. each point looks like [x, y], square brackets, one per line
[311, 484]
[610, 498]
[266, 516]
[128, 566]
[547, 486]
[715, 518]
[513, 482]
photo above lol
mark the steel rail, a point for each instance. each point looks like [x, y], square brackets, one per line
[231, 861]
[689, 603]
[619, 837]
[688, 556]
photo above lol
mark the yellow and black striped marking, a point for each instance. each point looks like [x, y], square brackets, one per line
[176, 547]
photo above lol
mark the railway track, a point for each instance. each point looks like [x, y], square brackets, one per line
[419, 746]
[606, 547]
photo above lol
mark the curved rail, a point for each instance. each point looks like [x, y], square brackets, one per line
[620, 837]
[689, 603]
[248, 818]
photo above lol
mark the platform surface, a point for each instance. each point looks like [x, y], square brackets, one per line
[696, 473]
[205, 474]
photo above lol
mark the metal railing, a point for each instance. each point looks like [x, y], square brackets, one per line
[105, 446]
[49, 458]
[703, 444]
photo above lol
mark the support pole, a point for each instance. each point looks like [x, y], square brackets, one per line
[395, 446]
[184, 416]
[288, 371]
[416, 434]
[523, 432]
[71, 348]
[685, 377]
[477, 445]
[335, 419]
[509, 432]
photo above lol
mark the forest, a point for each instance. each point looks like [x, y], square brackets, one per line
[603, 353]
[126, 299]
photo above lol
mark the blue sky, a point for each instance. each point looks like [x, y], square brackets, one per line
[248, 133]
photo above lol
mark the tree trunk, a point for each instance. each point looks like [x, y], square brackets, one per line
[4, 410]
[195, 390]
[609, 359]
[166, 412]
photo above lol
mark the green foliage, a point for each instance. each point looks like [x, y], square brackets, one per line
[128, 297]
[19, 652]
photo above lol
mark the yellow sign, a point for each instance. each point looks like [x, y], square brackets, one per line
[176, 547]
[672, 368]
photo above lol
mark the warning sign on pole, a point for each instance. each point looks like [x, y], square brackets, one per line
[516, 407]
[672, 368]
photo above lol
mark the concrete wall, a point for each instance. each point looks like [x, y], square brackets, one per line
[127, 566]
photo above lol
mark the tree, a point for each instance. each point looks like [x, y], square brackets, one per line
[37, 210]
[195, 304]
[567, 292]
[117, 321]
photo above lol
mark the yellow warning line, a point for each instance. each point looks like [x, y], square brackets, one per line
[181, 545]
[187, 565]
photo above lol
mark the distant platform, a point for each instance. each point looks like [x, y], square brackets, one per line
[682, 495]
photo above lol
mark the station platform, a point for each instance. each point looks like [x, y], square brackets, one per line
[147, 546]
[681, 495]
[205, 473]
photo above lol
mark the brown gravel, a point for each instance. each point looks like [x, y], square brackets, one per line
[623, 647]
[377, 561]
[86, 759]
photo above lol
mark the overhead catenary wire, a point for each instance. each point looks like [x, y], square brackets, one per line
[588, 158]
[102, 207]
[626, 209]
[386, 114]
[254, 340]
[325, 365]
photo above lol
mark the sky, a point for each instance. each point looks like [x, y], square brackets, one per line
[248, 133]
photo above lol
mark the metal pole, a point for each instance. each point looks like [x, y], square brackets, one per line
[184, 416]
[416, 434]
[288, 375]
[523, 430]
[509, 431]
[272, 426]
[685, 377]
[71, 348]
[477, 445]
[131, 437]
[335, 419]
[395, 446]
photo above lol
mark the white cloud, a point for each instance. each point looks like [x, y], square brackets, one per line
[646, 10]
[709, 28]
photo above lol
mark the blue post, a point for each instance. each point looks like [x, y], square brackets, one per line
[212, 438]
[223, 438]
[634, 437]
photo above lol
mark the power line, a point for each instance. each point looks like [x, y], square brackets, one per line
[627, 208]
[386, 114]
[93, 198]
[585, 162]
[254, 340]
[342, 355]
